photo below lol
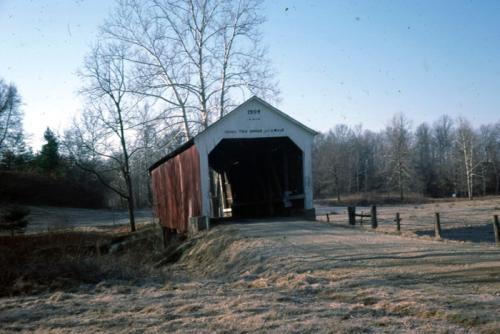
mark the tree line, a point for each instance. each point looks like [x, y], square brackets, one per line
[47, 177]
[14, 153]
[449, 158]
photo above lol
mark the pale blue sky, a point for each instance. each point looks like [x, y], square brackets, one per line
[337, 61]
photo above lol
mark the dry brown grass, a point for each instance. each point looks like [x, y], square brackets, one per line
[282, 276]
[64, 260]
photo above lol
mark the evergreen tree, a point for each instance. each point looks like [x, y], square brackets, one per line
[49, 159]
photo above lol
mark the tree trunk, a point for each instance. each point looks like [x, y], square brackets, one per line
[185, 121]
[7, 125]
[126, 169]
[130, 204]
[468, 167]
[497, 181]
[470, 186]
[484, 180]
[366, 175]
[337, 186]
[221, 101]
[358, 172]
[400, 181]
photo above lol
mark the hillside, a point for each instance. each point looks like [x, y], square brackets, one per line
[285, 276]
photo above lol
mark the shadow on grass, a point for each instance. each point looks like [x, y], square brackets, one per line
[478, 233]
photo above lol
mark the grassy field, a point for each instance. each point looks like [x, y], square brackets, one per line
[51, 219]
[267, 276]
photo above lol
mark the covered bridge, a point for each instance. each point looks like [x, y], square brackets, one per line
[253, 162]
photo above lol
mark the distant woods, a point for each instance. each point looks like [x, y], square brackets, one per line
[448, 158]
[44, 178]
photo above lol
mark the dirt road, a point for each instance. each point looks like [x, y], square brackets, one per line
[287, 276]
[332, 245]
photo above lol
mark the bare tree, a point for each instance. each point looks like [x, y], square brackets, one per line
[423, 159]
[161, 70]
[488, 140]
[11, 130]
[443, 133]
[398, 153]
[467, 146]
[194, 56]
[320, 165]
[494, 156]
[335, 163]
[239, 55]
[100, 141]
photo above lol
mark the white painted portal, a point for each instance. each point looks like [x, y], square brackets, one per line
[255, 118]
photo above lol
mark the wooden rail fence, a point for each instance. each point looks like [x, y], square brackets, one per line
[351, 213]
[351, 216]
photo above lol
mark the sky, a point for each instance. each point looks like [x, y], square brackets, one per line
[336, 62]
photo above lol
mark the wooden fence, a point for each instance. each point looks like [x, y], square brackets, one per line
[352, 215]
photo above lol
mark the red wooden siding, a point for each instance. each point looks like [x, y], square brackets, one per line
[177, 190]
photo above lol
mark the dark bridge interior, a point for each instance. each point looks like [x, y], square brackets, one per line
[256, 178]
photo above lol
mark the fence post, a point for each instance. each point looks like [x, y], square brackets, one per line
[374, 216]
[496, 229]
[398, 222]
[437, 227]
[351, 212]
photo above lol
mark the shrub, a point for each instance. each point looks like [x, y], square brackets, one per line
[14, 217]
[63, 261]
